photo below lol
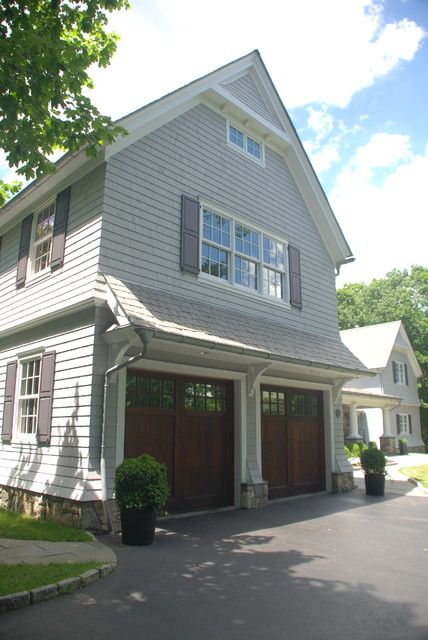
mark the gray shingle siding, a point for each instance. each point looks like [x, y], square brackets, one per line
[62, 466]
[244, 88]
[141, 223]
[76, 278]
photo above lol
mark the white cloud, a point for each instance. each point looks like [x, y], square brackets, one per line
[320, 122]
[322, 157]
[383, 151]
[316, 52]
[385, 223]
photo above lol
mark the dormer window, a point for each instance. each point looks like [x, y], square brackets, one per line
[241, 141]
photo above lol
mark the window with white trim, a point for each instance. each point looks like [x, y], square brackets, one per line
[28, 396]
[42, 235]
[400, 373]
[403, 421]
[245, 143]
[243, 256]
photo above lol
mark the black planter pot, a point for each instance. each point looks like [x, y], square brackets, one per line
[138, 526]
[403, 449]
[375, 484]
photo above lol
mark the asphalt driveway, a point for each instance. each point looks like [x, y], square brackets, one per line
[332, 567]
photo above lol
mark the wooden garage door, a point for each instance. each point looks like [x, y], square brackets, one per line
[292, 441]
[187, 424]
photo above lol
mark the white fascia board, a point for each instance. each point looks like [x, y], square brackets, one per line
[369, 400]
[317, 204]
[70, 168]
[151, 121]
[305, 176]
[74, 165]
[408, 351]
[150, 117]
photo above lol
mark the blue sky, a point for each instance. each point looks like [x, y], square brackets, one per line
[353, 75]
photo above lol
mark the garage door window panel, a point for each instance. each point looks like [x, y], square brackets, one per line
[145, 392]
[273, 403]
[206, 398]
[304, 406]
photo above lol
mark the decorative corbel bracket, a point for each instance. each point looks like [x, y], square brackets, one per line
[338, 385]
[255, 371]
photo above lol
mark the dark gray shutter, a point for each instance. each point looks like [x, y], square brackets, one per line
[24, 248]
[397, 417]
[47, 376]
[410, 423]
[406, 374]
[295, 277]
[60, 228]
[189, 234]
[394, 371]
[9, 401]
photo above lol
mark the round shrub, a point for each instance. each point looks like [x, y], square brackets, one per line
[373, 461]
[141, 482]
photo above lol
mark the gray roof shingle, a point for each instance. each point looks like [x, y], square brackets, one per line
[190, 319]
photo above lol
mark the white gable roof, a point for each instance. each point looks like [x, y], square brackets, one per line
[373, 344]
[272, 124]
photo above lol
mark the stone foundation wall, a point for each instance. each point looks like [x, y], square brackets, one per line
[420, 449]
[342, 482]
[254, 495]
[72, 513]
[387, 445]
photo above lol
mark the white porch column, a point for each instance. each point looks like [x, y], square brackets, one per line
[353, 422]
[386, 422]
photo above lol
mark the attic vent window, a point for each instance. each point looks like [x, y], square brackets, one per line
[242, 142]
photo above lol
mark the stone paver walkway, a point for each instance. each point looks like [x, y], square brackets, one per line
[42, 552]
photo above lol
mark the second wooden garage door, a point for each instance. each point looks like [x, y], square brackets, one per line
[187, 424]
[292, 441]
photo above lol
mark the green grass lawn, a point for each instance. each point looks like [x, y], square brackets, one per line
[21, 577]
[18, 526]
[419, 473]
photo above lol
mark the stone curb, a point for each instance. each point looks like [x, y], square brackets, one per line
[47, 592]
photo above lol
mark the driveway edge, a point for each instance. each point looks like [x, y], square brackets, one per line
[14, 601]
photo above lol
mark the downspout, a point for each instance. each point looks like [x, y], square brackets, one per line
[145, 337]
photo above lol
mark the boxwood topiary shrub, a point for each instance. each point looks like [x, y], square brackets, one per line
[141, 482]
[373, 461]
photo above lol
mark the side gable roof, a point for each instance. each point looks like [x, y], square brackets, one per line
[373, 344]
[222, 90]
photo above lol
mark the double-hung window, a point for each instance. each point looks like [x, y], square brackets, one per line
[243, 142]
[28, 397]
[41, 249]
[399, 371]
[243, 256]
[403, 423]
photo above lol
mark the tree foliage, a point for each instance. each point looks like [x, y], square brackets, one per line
[7, 190]
[46, 49]
[401, 295]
